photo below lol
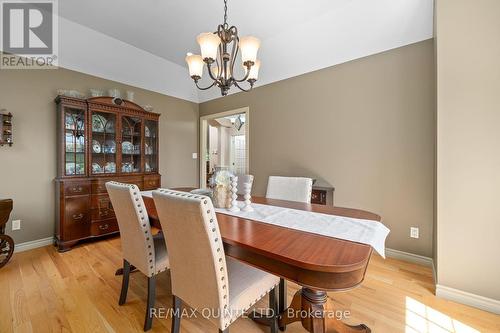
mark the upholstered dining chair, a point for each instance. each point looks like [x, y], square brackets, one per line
[291, 189]
[140, 248]
[242, 179]
[202, 276]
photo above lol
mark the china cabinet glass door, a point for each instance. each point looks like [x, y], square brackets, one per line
[103, 147]
[131, 144]
[74, 142]
[151, 146]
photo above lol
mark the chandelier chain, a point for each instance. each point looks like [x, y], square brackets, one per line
[225, 12]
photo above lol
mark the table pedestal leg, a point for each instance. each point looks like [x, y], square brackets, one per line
[317, 314]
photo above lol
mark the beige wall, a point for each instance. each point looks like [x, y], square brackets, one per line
[366, 127]
[468, 144]
[27, 169]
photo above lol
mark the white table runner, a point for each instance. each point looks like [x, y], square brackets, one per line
[368, 232]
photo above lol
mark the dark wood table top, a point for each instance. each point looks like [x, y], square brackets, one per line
[308, 259]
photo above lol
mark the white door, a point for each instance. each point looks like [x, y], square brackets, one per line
[238, 154]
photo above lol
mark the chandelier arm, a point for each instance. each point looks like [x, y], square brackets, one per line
[206, 88]
[210, 72]
[218, 61]
[246, 75]
[242, 89]
[234, 55]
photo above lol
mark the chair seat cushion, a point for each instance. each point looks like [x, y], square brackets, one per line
[161, 255]
[247, 285]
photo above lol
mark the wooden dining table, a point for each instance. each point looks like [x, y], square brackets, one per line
[317, 263]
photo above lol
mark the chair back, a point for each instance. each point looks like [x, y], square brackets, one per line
[197, 260]
[289, 188]
[242, 179]
[133, 221]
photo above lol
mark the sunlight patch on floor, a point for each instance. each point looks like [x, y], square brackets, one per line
[423, 319]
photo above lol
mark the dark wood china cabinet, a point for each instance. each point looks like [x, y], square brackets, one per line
[100, 139]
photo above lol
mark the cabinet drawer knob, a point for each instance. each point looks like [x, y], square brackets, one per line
[77, 217]
[104, 227]
[77, 189]
[103, 212]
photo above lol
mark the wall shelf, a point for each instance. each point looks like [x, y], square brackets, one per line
[6, 137]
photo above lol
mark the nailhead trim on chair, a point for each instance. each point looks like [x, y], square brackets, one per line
[140, 209]
[203, 200]
[231, 319]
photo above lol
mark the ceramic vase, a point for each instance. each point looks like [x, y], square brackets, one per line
[221, 187]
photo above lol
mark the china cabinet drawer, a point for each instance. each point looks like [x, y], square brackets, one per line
[103, 227]
[133, 180]
[97, 214]
[152, 182]
[76, 188]
[99, 186]
[101, 201]
[77, 218]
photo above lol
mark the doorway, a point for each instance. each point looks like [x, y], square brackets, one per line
[224, 142]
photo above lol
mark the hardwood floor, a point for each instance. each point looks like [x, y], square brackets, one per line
[45, 291]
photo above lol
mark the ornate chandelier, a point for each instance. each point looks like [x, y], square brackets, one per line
[219, 51]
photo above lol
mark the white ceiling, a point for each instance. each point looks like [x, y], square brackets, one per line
[298, 36]
[168, 28]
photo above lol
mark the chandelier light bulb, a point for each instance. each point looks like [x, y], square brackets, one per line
[195, 64]
[249, 46]
[209, 43]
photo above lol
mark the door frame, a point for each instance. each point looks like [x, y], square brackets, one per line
[204, 143]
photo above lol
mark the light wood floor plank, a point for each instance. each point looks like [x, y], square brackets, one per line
[45, 291]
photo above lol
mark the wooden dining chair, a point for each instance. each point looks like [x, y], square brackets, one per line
[291, 189]
[6, 242]
[202, 276]
[140, 248]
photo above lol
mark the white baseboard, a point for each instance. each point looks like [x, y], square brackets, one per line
[33, 244]
[480, 302]
[410, 257]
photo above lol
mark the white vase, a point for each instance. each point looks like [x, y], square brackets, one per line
[221, 187]
[247, 189]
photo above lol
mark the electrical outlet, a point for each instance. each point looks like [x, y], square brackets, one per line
[414, 232]
[16, 224]
[195, 156]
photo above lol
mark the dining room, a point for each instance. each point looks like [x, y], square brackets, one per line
[249, 166]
